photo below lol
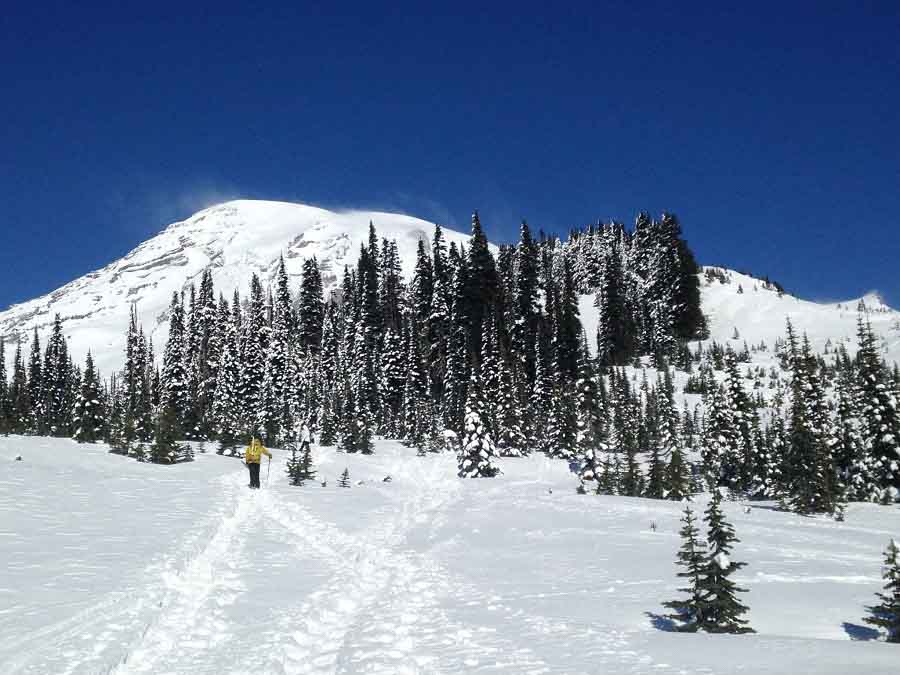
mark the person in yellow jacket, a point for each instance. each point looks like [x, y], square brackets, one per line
[252, 457]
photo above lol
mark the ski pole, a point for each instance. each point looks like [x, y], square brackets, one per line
[268, 468]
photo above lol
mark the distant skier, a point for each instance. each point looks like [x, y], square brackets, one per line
[252, 457]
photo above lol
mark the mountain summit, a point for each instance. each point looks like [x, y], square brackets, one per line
[235, 240]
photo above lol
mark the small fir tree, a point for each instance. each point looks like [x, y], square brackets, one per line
[689, 612]
[721, 609]
[886, 615]
[299, 465]
[477, 449]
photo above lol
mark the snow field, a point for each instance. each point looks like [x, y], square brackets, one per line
[115, 566]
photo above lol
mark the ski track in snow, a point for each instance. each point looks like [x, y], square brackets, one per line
[383, 579]
[190, 619]
[366, 567]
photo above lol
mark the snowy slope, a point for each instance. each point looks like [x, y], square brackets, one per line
[114, 566]
[760, 315]
[235, 239]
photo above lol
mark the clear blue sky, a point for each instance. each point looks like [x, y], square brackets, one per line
[772, 130]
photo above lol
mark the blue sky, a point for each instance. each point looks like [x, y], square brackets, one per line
[771, 129]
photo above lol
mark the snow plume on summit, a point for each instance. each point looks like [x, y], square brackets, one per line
[235, 240]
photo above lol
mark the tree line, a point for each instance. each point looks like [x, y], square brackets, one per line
[485, 349]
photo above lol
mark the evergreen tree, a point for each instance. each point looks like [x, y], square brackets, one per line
[525, 302]
[631, 483]
[718, 443]
[886, 615]
[19, 395]
[344, 480]
[391, 288]
[739, 476]
[678, 476]
[311, 311]
[361, 400]
[846, 440]
[510, 434]
[274, 417]
[439, 317]
[540, 400]
[175, 394]
[165, 448]
[37, 418]
[394, 375]
[880, 409]
[691, 556]
[89, 412]
[615, 342]
[721, 611]
[562, 421]
[477, 448]
[810, 468]
[567, 326]
[591, 433]
[656, 474]
[57, 382]
[253, 346]
[227, 399]
[299, 465]
[5, 406]
[479, 289]
[457, 369]
[415, 390]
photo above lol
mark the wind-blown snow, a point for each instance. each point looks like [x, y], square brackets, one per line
[235, 240]
[114, 566]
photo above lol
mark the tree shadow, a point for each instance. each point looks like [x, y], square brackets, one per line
[857, 632]
[661, 622]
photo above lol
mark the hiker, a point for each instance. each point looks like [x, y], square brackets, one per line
[254, 453]
[305, 437]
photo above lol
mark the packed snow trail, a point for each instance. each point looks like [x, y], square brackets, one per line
[118, 567]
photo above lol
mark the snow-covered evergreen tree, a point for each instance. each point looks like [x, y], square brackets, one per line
[311, 310]
[415, 390]
[227, 400]
[5, 406]
[89, 410]
[718, 442]
[175, 391]
[590, 439]
[394, 375]
[37, 413]
[810, 469]
[57, 382]
[274, 415]
[880, 410]
[253, 341]
[477, 449]
[721, 610]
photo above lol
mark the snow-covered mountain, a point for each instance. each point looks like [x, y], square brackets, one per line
[239, 238]
[235, 239]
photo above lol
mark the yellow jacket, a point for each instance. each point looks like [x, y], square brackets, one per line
[254, 452]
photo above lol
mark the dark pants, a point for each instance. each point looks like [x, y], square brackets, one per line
[254, 475]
